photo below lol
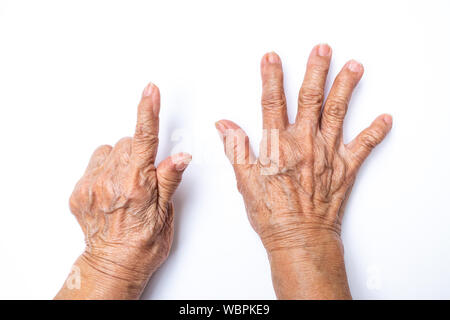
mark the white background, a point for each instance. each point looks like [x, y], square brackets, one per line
[71, 74]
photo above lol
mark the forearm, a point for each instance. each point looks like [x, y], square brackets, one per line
[312, 271]
[99, 278]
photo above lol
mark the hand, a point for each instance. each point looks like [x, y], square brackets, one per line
[123, 204]
[295, 193]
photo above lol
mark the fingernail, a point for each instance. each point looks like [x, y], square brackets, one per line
[354, 66]
[148, 90]
[273, 58]
[220, 127]
[387, 118]
[181, 161]
[323, 50]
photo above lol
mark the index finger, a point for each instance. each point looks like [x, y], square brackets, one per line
[145, 140]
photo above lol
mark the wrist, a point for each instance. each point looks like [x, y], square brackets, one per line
[300, 236]
[102, 278]
[122, 266]
[307, 249]
[130, 263]
[116, 273]
[309, 265]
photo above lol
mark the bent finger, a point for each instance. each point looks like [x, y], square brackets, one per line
[169, 174]
[98, 157]
[338, 99]
[369, 138]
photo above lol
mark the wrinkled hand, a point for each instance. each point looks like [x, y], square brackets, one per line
[123, 202]
[295, 192]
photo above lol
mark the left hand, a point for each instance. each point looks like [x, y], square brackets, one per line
[295, 191]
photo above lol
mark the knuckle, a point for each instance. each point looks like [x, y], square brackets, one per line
[168, 183]
[310, 97]
[145, 137]
[103, 149]
[371, 139]
[336, 108]
[273, 98]
[122, 150]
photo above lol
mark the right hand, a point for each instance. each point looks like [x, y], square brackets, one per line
[123, 202]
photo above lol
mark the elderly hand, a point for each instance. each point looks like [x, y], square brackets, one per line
[295, 192]
[123, 205]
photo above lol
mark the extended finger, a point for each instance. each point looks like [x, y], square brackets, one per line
[311, 95]
[145, 140]
[273, 100]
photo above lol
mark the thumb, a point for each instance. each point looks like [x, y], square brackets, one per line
[236, 145]
[169, 173]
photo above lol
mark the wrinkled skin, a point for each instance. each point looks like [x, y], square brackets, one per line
[123, 205]
[297, 205]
